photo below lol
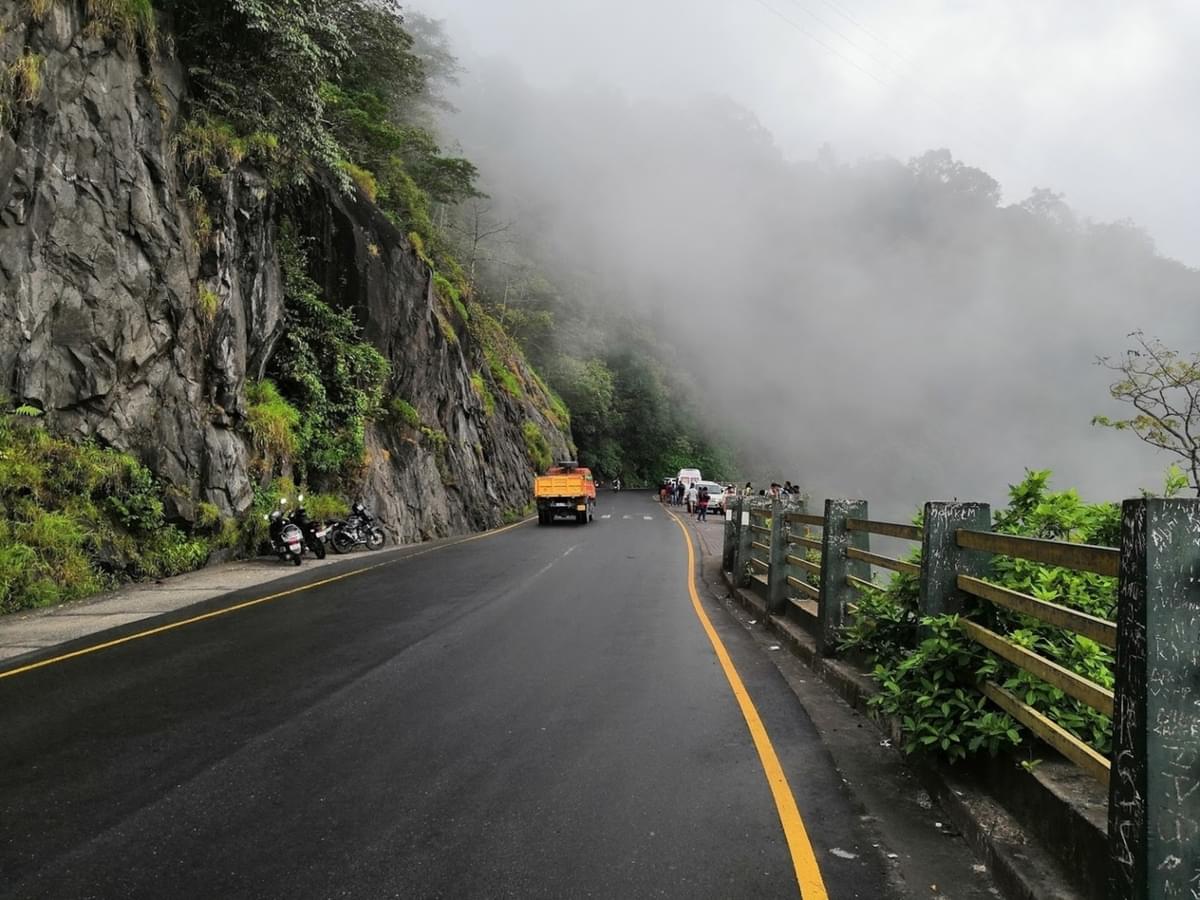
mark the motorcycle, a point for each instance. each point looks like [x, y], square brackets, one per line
[315, 533]
[359, 529]
[287, 540]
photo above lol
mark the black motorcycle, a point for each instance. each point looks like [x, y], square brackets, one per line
[287, 540]
[359, 530]
[315, 533]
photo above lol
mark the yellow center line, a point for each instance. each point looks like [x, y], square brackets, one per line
[248, 603]
[804, 861]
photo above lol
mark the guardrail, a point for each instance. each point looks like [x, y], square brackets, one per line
[1153, 777]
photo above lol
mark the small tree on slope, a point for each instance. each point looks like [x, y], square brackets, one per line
[1163, 386]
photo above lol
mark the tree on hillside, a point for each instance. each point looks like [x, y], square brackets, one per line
[940, 167]
[1163, 386]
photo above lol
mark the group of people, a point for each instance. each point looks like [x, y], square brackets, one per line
[694, 496]
[697, 499]
[776, 491]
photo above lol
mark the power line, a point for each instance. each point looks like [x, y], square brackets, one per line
[914, 86]
[841, 11]
[820, 42]
[863, 50]
[910, 76]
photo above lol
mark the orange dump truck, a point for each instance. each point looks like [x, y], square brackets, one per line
[567, 489]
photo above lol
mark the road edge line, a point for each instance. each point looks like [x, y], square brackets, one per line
[804, 860]
[245, 604]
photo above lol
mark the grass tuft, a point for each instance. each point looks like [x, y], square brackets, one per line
[363, 178]
[209, 300]
[272, 421]
[536, 446]
[402, 412]
[127, 21]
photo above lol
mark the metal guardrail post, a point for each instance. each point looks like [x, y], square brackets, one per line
[835, 591]
[1154, 791]
[729, 548]
[777, 575]
[745, 537]
[942, 560]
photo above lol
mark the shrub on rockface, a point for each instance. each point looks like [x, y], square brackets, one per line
[273, 423]
[536, 446]
[76, 518]
[327, 372]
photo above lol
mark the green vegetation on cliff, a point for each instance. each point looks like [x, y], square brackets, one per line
[338, 90]
[76, 519]
[332, 376]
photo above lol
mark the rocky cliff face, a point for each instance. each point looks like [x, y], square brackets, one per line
[101, 273]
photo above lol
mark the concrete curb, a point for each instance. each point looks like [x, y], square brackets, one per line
[1020, 868]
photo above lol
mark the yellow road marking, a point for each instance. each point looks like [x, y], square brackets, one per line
[248, 603]
[808, 873]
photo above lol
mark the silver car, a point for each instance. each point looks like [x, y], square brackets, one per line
[716, 495]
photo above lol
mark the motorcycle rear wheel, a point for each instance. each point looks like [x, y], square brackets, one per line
[341, 542]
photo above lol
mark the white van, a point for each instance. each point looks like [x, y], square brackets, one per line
[688, 476]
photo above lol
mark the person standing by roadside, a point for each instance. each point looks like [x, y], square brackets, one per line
[748, 491]
[702, 504]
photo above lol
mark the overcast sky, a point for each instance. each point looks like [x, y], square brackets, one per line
[1094, 99]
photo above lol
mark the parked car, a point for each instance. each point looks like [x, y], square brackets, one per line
[716, 495]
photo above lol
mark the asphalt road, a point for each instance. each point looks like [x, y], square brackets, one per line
[538, 713]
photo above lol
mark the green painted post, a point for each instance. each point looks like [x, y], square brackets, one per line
[1154, 789]
[835, 592]
[777, 575]
[729, 549]
[942, 560]
[745, 537]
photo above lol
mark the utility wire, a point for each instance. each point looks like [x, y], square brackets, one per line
[960, 108]
[841, 11]
[951, 116]
[817, 40]
[861, 49]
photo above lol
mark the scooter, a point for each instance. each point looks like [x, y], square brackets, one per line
[358, 530]
[287, 540]
[315, 533]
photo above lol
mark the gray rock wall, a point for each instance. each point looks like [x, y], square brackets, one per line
[100, 274]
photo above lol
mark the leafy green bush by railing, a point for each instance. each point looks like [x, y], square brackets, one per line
[933, 691]
[920, 676]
